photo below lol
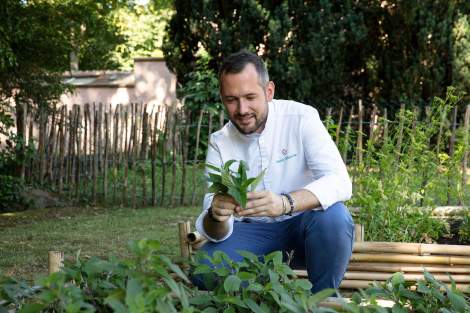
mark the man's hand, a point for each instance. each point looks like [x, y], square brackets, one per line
[262, 203]
[223, 206]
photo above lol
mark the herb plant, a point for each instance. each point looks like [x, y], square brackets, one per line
[236, 184]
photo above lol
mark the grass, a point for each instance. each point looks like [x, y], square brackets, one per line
[26, 237]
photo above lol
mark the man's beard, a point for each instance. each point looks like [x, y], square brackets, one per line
[258, 124]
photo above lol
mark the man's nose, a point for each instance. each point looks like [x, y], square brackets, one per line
[243, 107]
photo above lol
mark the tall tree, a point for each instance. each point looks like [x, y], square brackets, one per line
[326, 52]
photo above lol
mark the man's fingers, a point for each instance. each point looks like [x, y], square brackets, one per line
[256, 194]
[222, 212]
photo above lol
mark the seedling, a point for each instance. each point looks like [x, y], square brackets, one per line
[236, 184]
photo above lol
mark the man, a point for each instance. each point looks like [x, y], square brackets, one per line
[297, 206]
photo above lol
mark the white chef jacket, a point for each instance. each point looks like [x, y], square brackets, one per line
[296, 151]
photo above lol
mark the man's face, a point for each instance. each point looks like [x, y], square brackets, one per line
[246, 100]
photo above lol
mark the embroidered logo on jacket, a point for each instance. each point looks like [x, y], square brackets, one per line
[285, 156]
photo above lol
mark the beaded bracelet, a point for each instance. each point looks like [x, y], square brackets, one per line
[291, 202]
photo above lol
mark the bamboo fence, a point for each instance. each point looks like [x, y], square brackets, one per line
[132, 155]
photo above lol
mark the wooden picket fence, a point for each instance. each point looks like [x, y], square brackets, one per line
[131, 155]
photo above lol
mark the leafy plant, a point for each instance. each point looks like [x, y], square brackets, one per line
[236, 184]
[255, 285]
[464, 229]
[404, 171]
[422, 296]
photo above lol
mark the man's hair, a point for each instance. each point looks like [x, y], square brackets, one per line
[236, 62]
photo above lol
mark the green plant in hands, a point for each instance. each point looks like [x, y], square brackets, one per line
[236, 184]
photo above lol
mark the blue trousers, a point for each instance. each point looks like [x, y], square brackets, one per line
[322, 243]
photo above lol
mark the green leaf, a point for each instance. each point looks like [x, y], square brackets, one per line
[228, 164]
[232, 283]
[213, 167]
[246, 276]
[305, 284]
[458, 302]
[242, 167]
[214, 178]
[202, 269]
[257, 180]
[248, 255]
[253, 306]
[116, 305]
[31, 308]
[237, 196]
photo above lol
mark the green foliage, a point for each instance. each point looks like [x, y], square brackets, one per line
[464, 229]
[403, 173]
[225, 181]
[325, 53]
[201, 92]
[142, 28]
[430, 295]
[151, 282]
[254, 285]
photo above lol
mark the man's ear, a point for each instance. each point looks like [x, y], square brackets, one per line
[270, 91]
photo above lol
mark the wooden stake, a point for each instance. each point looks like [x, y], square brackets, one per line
[184, 154]
[465, 152]
[195, 160]
[338, 128]
[173, 143]
[358, 233]
[360, 132]
[105, 158]
[184, 229]
[346, 136]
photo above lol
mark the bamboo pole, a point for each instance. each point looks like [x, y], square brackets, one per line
[404, 258]
[451, 154]
[125, 157]
[145, 126]
[184, 229]
[95, 154]
[154, 159]
[55, 261]
[78, 145]
[194, 237]
[465, 152]
[360, 132]
[145, 135]
[373, 124]
[70, 150]
[173, 163]
[61, 164]
[358, 233]
[385, 127]
[86, 115]
[165, 131]
[441, 130]
[184, 155]
[338, 128]
[133, 153]
[406, 268]
[346, 135]
[42, 146]
[195, 159]
[50, 148]
[115, 157]
[105, 157]
[411, 248]
[401, 125]
[408, 277]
